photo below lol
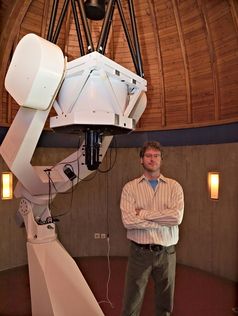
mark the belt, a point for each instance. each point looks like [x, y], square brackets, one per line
[151, 247]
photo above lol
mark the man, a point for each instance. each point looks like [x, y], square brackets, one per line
[152, 208]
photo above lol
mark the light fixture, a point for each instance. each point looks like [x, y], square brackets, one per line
[7, 186]
[213, 185]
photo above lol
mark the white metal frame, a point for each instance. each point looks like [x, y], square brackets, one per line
[91, 90]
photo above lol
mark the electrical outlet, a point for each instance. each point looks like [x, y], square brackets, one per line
[96, 235]
[103, 236]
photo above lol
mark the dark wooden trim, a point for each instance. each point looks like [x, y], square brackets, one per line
[185, 60]
[216, 88]
[8, 38]
[44, 19]
[227, 133]
[152, 11]
[234, 13]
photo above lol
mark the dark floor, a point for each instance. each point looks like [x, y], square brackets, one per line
[197, 293]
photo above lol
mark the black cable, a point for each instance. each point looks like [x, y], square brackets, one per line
[111, 165]
[74, 187]
[107, 299]
[70, 207]
[47, 171]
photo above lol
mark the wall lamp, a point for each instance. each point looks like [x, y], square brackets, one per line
[7, 186]
[213, 185]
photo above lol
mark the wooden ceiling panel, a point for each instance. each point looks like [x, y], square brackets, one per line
[189, 51]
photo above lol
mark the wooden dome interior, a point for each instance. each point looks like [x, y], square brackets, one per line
[189, 52]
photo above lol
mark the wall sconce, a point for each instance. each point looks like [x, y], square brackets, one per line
[7, 186]
[213, 185]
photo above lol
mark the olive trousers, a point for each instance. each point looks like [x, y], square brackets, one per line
[161, 265]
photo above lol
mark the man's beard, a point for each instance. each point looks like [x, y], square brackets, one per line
[151, 169]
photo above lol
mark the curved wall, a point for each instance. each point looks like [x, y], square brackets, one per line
[208, 233]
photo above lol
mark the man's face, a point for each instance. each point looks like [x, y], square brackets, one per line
[151, 160]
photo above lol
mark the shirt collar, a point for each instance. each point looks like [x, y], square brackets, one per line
[160, 179]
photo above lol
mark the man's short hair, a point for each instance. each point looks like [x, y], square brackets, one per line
[152, 144]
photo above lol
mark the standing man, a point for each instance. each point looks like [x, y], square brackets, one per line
[152, 208]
